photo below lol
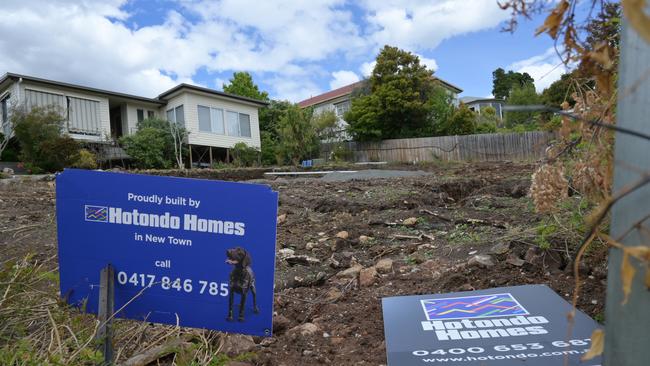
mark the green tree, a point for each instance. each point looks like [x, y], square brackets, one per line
[297, 136]
[486, 121]
[397, 104]
[441, 109]
[242, 84]
[43, 145]
[326, 125]
[461, 122]
[152, 146]
[522, 95]
[560, 91]
[504, 82]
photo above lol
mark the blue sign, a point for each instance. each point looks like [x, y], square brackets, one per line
[191, 252]
[496, 327]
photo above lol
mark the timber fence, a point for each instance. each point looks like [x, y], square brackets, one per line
[484, 147]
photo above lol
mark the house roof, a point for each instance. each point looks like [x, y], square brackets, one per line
[160, 100]
[332, 94]
[15, 77]
[472, 100]
[210, 91]
[348, 89]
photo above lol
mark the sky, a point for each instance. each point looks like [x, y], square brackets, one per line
[294, 49]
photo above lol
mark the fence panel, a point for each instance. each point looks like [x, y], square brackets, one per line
[483, 147]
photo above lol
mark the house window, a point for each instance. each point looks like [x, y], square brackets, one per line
[5, 108]
[244, 125]
[176, 115]
[341, 108]
[151, 114]
[35, 98]
[140, 115]
[239, 124]
[211, 120]
[83, 116]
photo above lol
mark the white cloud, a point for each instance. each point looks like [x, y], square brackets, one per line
[288, 42]
[430, 63]
[545, 68]
[423, 24]
[343, 78]
[367, 67]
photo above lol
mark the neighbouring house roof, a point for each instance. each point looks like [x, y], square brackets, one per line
[473, 100]
[210, 91]
[16, 77]
[332, 94]
[160, 100]
[348, 89]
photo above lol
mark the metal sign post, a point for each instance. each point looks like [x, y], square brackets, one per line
[105, 313]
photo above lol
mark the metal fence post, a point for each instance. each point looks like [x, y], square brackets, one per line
[105, 313]
[627, 340]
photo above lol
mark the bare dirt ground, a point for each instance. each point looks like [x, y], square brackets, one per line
[342, 246]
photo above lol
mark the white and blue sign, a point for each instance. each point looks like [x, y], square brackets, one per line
[192, 252]
[520, 325]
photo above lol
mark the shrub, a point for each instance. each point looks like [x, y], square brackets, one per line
[87, 160]
[43, 146]
[244, 155]
[152, 146]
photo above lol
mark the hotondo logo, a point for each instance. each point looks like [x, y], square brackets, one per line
[479, 316]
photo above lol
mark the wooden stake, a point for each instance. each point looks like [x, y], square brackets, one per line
[210, 147]
[105, 313]
[190, 146]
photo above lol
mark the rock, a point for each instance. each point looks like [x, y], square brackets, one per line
[310, 245]
[304, 330]
[472, 252]
[515, 261]
[384, 265]
[280, 323]
[333, 294]
[351, 272]
[342, 235]
[531, 254]
[307, 352]
[236, 344]
[8, 171]
[322, 240]
[364, 239]
[367, 276]
[481, 260]
[285, 253]
[411, 221]
[282, 218]
[430, 264]
[500, 248]
[302, 259]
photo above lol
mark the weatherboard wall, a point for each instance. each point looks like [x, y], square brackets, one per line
[191, 101]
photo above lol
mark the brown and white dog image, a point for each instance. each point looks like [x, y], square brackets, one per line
[242, 280]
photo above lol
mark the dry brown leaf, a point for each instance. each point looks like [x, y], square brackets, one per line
[597, 345]
[554, 20]
[627, 275]
[601, 55]
[634, 11]
[640, 252]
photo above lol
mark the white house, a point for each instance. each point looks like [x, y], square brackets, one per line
[338, 100]
[215, 120]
